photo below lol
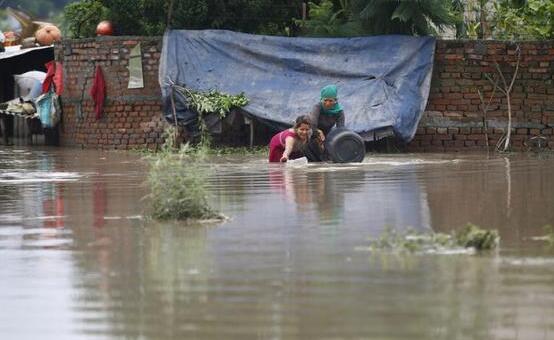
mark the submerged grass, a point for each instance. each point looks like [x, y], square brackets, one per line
[177, 182]
[210, 150]
[471, 236]
[238, 151]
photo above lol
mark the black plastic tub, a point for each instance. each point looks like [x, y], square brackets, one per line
[344, 146]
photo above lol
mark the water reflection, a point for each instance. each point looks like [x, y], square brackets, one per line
[356, 195]
[292, 262]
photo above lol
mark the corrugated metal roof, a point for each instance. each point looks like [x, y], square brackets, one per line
[14, 51]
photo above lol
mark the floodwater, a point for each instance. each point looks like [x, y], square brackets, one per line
[79, 260]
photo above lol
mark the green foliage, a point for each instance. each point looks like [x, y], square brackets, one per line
[369, 17]
[326, 22]
[128, 16]
[480, 239]
[210, 102]
[411, 241]
[470, 236]
[532, 20]
[422, 17]
[81, 18]
[150, 17]
[177, 183]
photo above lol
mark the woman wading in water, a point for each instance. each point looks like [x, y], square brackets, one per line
[289, 144]
[325, 115]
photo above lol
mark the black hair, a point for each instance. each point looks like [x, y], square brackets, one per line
[304, 119]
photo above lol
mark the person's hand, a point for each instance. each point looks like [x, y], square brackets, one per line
[284, 159]
[321, 135]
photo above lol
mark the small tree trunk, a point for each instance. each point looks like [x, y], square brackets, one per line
[509, 132]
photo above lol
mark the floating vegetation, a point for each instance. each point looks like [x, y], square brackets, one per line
[177, 183]
[470, 237]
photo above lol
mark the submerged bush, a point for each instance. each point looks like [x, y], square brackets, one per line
[177, 183]
[471, 236]
[475, 237]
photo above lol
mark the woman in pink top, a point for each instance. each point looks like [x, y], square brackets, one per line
[288, 144]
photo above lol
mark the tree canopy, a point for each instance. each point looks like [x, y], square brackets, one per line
[370, 17]
[150, 17]
[499, 19]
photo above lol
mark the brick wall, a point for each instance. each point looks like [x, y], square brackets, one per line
[132, 117]
[453, 120]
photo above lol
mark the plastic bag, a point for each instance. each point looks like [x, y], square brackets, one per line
[48, 109]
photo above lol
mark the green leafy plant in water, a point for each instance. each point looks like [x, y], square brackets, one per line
[177, 183]
[470, 236]
[475, 237]
[210, 102]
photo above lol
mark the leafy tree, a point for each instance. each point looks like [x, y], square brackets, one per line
[81, 18]
[368, 17]
[421, 17]
[327, 21]
[531, 19]
[150, 17]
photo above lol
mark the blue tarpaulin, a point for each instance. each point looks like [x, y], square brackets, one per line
[383, 81]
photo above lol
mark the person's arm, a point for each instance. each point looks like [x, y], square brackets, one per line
[314, 117]
[319, 136]
[289, 144]
[340, 119]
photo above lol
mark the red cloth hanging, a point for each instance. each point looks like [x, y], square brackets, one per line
[54, 74]
[98, 91]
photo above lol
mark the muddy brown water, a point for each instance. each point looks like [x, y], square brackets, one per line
[79, 260]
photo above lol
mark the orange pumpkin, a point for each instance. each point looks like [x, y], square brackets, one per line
[48, 34]
[10, 39]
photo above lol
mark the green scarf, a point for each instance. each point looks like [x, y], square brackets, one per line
[330, 91]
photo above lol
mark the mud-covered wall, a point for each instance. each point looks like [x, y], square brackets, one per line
[453, 120]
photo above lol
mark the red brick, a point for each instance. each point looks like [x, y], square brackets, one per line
[521, 131]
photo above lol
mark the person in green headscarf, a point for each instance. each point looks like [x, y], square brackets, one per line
[328, 112]
[324, 116]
